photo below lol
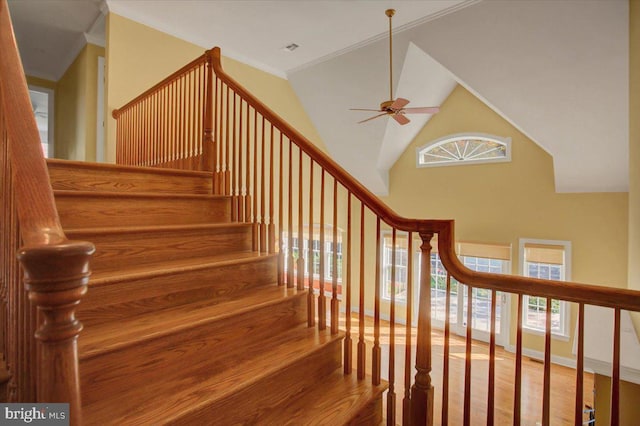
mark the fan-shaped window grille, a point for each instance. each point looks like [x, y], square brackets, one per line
[468, 148]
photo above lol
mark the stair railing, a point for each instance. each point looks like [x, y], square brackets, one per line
[323, 226]
[169, 125]
[56, 270]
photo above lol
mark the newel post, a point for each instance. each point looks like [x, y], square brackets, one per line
[422, 389]
[56, 278]
[209, 148]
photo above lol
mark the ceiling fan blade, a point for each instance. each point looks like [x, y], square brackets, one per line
[371, 118]
[364, 109]
[399, 103]
[422, 110]
[400, 118]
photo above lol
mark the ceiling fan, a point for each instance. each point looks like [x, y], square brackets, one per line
[395, 108]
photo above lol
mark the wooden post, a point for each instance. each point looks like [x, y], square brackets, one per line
[56, 278]
[422, 390]
[209, 148]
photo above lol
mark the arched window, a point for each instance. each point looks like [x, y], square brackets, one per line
[464, 148]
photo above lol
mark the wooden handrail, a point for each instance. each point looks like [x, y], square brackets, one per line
[166, 81]
[385, 213]
[56, 269]
[570, 291]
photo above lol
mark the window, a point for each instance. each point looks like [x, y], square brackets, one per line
[316, 252]
[547, 260]
[477, 257]
[399, 285]
[466, 148]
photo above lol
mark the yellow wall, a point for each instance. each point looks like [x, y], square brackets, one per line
[500, 203]
[76, 107]
[629, 407]
[139, 57]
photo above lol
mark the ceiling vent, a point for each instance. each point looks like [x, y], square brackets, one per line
[290, 47]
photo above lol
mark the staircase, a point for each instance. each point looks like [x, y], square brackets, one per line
[183, 322]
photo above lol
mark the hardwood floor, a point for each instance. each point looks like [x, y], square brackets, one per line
[562, 380]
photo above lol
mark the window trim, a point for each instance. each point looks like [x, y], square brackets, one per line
[506, 141]
[565, 307]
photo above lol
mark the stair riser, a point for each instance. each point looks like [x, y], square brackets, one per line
[268, 392]
[117, 250]
[118, 299]
[91, 177]
[86, 210]
[203, 350]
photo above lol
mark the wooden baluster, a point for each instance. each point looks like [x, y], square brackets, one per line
[272, 227]
[322, 303]
[56, 278]
[209, 160]
[311, 315]
[346, 263]
[219, 141]
[362, 346]
[281, 251]
[247, 192]
[376, 352]
[579, 367]
[300, 266]
[446, 351]
[422, 390]
[391, 393]
[492, 363]
[335, 304]
[546, 386]
[290, 260]
[163, 126]
[615, 370]
[234, 168]
[227, 147]
[256, 233]
[183, 122]
[406, 400]
[176, 122]
[263, 213]
[467, 358]
[240, 201]
[518, 379]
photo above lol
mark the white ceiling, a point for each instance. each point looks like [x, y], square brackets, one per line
[51, 33]
[556, 70]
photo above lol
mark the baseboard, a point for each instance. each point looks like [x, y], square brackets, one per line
[538, 355]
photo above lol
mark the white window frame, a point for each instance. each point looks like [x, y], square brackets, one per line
[328, 253]
[504, 141]
[386, 253]
[564, 333]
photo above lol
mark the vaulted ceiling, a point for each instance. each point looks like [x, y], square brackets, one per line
[558, 71]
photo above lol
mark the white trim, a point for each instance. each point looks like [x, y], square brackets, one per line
[604, 369]
[100, 118]
[506, 141]
[537, 355]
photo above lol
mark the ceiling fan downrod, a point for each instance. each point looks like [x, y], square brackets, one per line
[390, 13]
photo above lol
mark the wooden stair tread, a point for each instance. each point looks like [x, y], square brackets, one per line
[112, 194]
[103, 338]
[151, 229]
[166, 400]
[334, 401]
[122, 168]
[179, 265]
